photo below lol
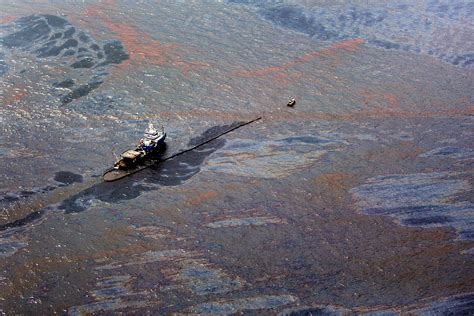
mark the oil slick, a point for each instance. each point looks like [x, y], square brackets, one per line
[52, 37]
[188, 271]
[110, 305]
[268, 227]
[419, 200]
[450, 152]
[417, 22]
[247, 221]
[200, 277]
[277, 158]
[145, 258]
[318, 310]
[15, 235]
[113, 293]
[60, 179]
[11, 241]
[462, 304]
[169, 173]
[226, 307]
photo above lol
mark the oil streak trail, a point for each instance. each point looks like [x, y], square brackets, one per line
[23, 212]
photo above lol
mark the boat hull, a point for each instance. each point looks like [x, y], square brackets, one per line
[113, 174]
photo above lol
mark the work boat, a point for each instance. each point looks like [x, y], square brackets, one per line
[152, 143]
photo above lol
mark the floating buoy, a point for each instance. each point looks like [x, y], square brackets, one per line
[291, 103]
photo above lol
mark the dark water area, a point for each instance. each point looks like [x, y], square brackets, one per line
[168, 173]
[49, 36]
[67, 177]
[358, 200]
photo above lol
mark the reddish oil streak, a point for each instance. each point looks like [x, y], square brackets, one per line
[141, 46]
[202, 197]
[381, 101]
[331, 51]
[283, 115]
[17, 93]
[7, 19]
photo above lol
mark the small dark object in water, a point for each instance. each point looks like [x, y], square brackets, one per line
[291, 103]
[66, 177]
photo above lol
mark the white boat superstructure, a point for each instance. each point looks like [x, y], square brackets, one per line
[152, 137]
